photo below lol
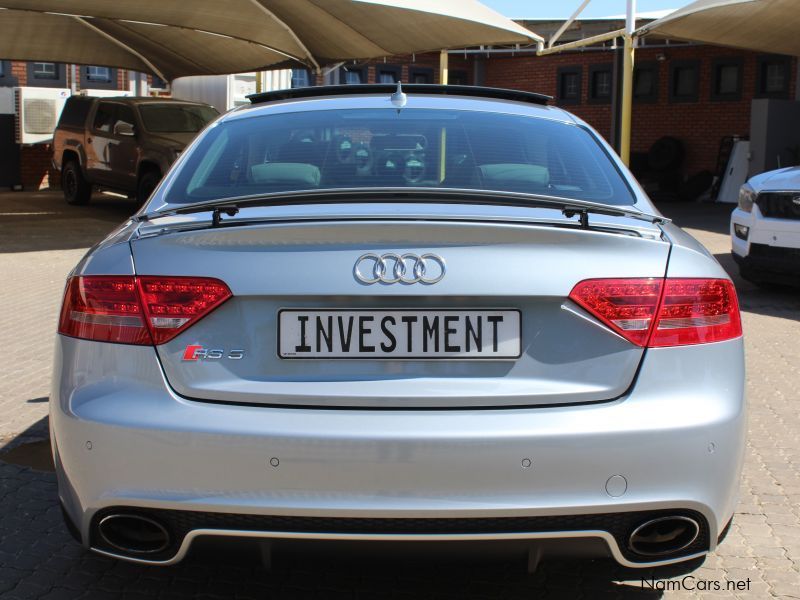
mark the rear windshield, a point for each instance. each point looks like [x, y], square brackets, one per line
[172, 118]
[410, 148]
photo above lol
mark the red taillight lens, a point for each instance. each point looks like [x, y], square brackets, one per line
[663, 312]
[106, 309]
[626, 305]
[130, 310]
[172, 304]
[697, 311]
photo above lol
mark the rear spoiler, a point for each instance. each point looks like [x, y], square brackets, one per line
[473, 91]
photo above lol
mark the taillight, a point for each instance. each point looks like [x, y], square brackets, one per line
[663, 312]
[106, 309]
[173, 304]
[697, 311]
[130, 310]
[626, 305]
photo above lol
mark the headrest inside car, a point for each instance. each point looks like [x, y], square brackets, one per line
[286, 173]
[504, 175]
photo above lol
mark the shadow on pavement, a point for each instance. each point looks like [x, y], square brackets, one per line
[770, 300]
[31, 448]
[35, 221]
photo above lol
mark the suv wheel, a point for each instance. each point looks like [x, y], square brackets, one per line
[147, 183]
[76, 189]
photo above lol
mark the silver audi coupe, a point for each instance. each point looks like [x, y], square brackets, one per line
[438, 314]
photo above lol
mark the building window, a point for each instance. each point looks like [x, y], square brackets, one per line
[387, 74]
[45, 70]
[301, 78]
[773, 77]
[101, 74]
[98, 78]
[46, 74]
[601, 84]
[352, 76]
[684, 79]
[726, 83]
[645, 82]
[420, 75]
[569, 85]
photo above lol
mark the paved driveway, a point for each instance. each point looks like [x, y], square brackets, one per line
[41, 239]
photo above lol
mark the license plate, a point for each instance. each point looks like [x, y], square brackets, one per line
[399, 334]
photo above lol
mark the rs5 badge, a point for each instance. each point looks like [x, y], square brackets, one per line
[194, 353]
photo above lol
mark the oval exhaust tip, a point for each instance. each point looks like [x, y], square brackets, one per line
[665, 535]
[134, 534]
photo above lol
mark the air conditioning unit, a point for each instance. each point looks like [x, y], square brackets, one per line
[106, 93]
[38, 111]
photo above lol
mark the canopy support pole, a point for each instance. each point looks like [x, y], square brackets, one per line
[595, 39]
[627, 85]
[114, 40]
[443, 67]
[566, 24]
[290, 31]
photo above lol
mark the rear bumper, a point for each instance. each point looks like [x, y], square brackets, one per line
[677, 439]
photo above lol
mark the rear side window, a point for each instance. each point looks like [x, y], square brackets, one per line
[124, 114]
[410, 148]
[75, 112]
[104, 117]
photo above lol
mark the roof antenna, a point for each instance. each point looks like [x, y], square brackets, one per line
[399, 98]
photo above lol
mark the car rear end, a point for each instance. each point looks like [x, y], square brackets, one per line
[431, 368]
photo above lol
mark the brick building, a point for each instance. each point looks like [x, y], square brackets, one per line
[698, 94]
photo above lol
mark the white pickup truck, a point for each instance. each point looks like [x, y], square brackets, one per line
[765, 228]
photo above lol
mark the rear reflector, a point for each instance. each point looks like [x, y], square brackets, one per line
[143, 311]
[663, 312]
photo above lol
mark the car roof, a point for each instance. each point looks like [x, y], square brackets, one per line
[138, 100]
[455, 97]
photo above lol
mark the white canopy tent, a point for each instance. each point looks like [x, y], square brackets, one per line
[763, 25]
[175, 38]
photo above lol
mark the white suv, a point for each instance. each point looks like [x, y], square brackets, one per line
[765, 228]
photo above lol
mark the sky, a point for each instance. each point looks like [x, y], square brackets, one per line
[548, 9]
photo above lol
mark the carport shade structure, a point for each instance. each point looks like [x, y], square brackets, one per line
[763, 25]
[176, 38]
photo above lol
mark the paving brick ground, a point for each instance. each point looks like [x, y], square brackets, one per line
[41, 239]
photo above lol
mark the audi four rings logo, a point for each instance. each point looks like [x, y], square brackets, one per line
[399, 268]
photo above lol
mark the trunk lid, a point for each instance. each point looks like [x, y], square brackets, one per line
[501, 263]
